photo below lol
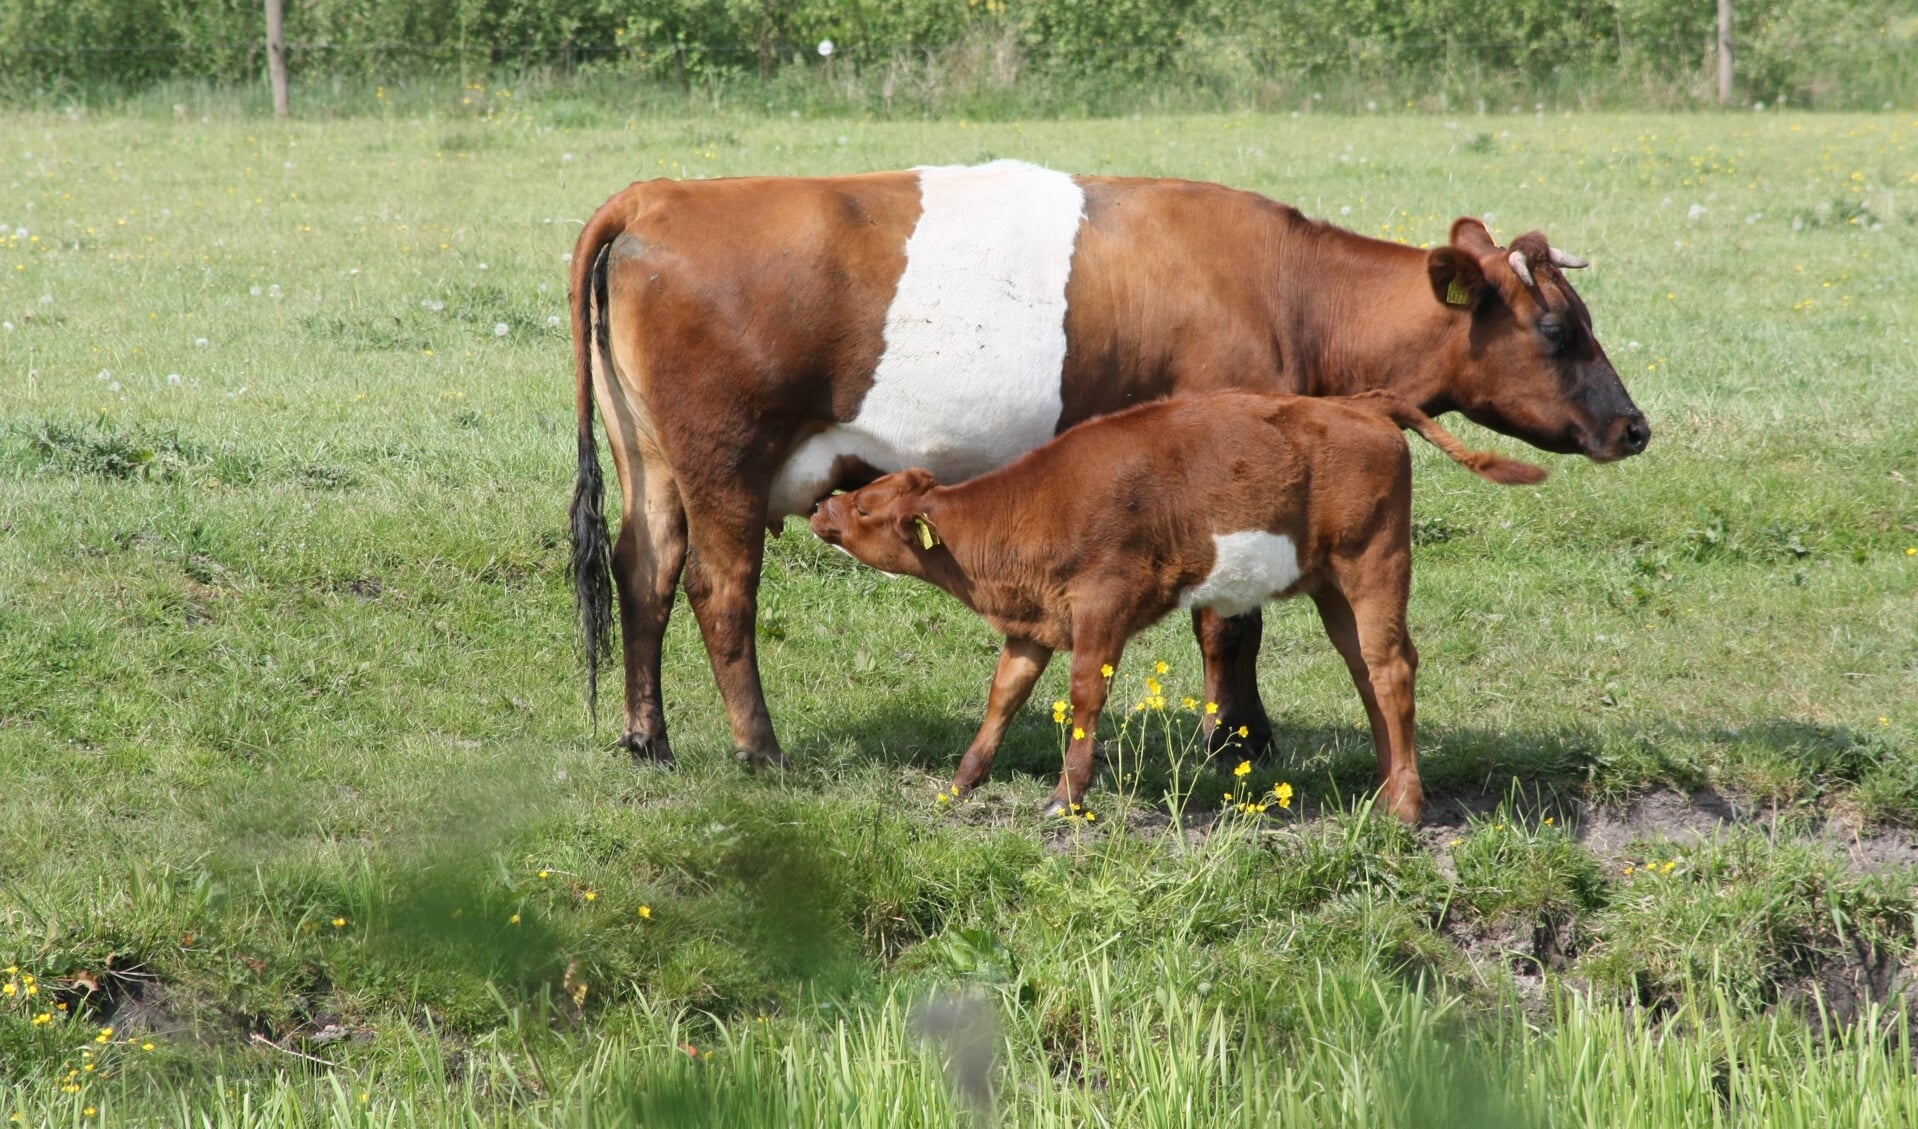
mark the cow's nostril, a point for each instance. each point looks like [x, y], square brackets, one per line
[1637, 434]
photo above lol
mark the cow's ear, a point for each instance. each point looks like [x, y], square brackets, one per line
[1457, 279]
[1472, 237]
[916, 528]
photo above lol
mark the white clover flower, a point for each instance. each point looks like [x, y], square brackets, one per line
[501, 329]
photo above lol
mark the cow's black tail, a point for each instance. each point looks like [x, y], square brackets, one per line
[592, 564]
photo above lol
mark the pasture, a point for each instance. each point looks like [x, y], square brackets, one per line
[302, 820]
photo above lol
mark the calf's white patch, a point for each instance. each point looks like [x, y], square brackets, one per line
[1248, 569]
[975, 336]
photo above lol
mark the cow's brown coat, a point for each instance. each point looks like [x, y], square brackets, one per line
[1093, 537]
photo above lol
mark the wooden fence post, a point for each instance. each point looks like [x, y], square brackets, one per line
[276, 53]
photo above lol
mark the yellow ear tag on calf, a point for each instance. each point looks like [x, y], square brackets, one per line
[927, 538]
[1456, 294]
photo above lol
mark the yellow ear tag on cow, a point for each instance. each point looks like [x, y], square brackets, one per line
[1456, 294]
[927, 538]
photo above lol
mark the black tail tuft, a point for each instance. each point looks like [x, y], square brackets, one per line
[592, 549]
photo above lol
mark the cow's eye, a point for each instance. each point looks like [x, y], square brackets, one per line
[1552, 329]
[860, 512]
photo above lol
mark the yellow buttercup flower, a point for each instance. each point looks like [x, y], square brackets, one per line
[1161, 667]
[1283, 794]
[646, 912]
[1106, 670]
[1244, 769]
[1078, 733]
[1211, 708]
[1244, 732]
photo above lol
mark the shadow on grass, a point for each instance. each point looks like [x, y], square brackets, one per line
[1618, 778]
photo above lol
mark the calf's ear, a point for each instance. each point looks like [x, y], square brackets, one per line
[917, 529]
[1457, 279]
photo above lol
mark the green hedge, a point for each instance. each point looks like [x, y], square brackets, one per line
[1805, 50]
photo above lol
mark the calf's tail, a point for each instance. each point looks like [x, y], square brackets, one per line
[592, 564]
[1488, 465]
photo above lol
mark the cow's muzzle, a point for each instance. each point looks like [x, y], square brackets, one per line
[1630, 434]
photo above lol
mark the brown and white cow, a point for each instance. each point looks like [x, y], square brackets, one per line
[754, 344]
[1219, 502]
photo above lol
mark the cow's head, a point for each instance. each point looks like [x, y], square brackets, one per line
[885, 524]
[1533, 369]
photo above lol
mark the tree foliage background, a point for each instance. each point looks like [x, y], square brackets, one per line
[1808, 51]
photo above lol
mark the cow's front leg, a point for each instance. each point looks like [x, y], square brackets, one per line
[1020, 665]
[1091, 682]
[722, 583]
[1230, 647]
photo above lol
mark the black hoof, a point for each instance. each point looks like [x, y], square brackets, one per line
[1225, 739]
[647, 750]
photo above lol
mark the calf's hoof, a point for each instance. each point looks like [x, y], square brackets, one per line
[647, 750]
[1406, 805]
[1058, 807]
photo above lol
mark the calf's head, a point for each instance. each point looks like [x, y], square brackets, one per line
[884, 524]
[1532, 367]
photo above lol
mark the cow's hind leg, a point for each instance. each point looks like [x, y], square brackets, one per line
[1230, 648]
[647, 560]
[725, 527]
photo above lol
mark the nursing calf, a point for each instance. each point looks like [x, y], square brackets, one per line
[1219, 502]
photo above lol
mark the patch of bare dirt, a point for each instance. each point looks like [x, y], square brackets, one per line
[1682, 818]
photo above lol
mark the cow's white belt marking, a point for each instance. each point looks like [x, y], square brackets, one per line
[975, 336]
[1248, 569]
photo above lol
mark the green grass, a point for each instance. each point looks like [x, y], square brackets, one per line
[294, 744]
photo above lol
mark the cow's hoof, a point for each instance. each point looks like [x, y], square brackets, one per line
[1225, 739]
[655, 750]
[761, 758]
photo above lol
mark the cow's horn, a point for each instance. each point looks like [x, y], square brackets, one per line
[1520, 267]
[1568, 261]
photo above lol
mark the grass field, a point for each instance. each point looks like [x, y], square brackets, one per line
[301, 801]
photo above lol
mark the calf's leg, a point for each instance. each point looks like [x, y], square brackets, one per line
[1368, 628]
[1020, 665]
[1230, 648]
[1092, 652]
